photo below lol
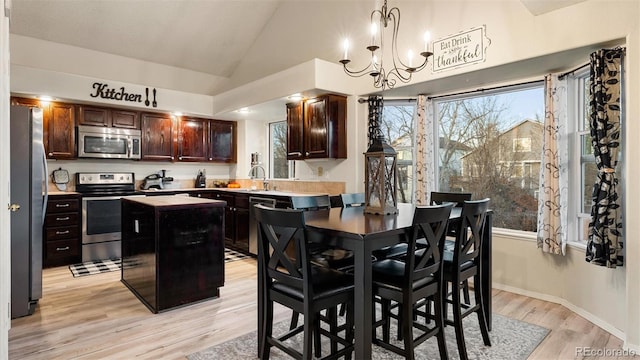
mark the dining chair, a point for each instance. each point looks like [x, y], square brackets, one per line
[352, 199]
[311, 202]
[404, 284]
[300, 286]
[461, 263]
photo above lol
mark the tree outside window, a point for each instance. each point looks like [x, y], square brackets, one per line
[397, 126]
[280, 166]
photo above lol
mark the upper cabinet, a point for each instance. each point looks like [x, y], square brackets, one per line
[193, 139]
[316, 128]
[157, 137]
[108, 117]
[222, 140]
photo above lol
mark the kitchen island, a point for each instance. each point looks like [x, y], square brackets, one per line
[172, 249]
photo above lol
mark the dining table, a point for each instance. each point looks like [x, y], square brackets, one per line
[353, 229]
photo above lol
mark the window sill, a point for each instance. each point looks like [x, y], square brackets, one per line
[531, 236]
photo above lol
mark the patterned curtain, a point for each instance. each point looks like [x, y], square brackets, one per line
[376, 106]
[604, 246]
[425, 167]
[552, 221]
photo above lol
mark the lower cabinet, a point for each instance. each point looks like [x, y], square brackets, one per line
[236, 218]
[62, 233]
[172, 254]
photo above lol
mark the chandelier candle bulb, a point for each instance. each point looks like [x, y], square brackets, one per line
[374, 30]
[345, 46]
[410, 56]
[427, 40]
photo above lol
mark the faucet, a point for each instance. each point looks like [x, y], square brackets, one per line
[255, 173]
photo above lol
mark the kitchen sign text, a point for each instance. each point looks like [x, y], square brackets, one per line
[103, 91]
[462, 49]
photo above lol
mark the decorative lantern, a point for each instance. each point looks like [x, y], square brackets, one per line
[380, 178]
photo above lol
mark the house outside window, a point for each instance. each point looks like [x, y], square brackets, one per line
[397, 126]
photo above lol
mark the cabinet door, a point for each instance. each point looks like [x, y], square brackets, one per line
[157, 137]
[192, 142]
[96, 116]
[222, 145]
[241, 209]
[59, 131]
[315, 128]
[125, 119]
[295, 131]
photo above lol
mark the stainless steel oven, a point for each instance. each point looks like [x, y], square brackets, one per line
[101, 212]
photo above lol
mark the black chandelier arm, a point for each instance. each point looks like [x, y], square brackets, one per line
[358, 73]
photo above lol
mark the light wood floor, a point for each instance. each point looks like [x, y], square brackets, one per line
[97, 317]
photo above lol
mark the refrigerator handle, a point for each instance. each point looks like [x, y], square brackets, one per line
[46, 183]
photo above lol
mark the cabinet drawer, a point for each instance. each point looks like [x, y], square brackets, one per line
[62, 219]
[242, 201]
[62, 205]
[62, 248]
[64, 232]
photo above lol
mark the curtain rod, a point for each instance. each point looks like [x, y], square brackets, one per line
[487, 89]
[572, 71]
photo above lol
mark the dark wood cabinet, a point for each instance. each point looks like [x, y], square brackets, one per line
[173, 250]
[222, 141]
[316, 128]
[108, 117]
[59, 131]
[193, 139]
[236, 229]
[62, 232]
[157, 137]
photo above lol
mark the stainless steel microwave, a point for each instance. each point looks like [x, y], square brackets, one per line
[109, 143]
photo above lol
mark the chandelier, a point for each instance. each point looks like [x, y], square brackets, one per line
[387, 78]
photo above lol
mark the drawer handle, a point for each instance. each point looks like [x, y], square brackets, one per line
[63, 218]
[62, 249]
[62, 232]
[63, 205]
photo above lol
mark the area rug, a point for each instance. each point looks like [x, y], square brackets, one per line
[102, 266]
[510, 339]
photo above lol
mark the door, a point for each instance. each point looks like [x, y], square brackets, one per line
[60, 138]
[295, 132]
[192, 142]
[157, 137]
[223, 141]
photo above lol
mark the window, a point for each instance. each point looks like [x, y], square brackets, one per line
[397, 127]
[490, 144]
[281, 168]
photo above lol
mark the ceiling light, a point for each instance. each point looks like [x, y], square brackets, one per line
[295, 97]
[399, 70]
[243, 110]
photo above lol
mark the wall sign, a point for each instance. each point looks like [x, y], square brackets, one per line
[465, 48]
[104, 91]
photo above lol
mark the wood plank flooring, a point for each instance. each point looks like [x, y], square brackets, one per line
[97, 317]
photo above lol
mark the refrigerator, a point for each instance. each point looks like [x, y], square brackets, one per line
[28, 199]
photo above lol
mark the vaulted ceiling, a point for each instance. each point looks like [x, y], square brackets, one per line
[214, 37]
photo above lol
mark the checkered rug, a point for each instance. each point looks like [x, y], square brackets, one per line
[101, 266]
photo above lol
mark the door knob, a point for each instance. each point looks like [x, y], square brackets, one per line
[14, 207]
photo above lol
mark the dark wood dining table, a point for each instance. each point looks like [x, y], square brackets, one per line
[352, 229]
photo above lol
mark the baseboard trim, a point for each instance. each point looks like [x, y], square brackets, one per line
[580, 311]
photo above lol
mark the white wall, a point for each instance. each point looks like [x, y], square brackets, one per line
[5, 221]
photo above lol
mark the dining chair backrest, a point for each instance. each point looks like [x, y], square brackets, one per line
[470, 231]
[458, 198]
[352, 199]
[311, 202]
[277, 230]
[429, 223]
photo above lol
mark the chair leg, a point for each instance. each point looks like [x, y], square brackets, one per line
[294, 320]
[465, 291]
[457, 320]
[309, 327]
[349, 332]
[267, 330]
[482, 318]
[386, 325]
[332, 313]
[439, 322]
[406, 314]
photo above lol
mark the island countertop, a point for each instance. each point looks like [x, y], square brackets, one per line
[170, 201]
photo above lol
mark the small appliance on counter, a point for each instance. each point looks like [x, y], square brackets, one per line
[156, 181]
[201, 179]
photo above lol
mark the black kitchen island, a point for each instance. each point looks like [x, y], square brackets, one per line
[172, 249]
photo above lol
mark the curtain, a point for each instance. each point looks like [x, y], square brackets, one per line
[604, 245]
[425, 167]
[552, 198]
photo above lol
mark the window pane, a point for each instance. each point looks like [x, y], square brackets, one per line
[279, 162]
[490, 145]
[397, 127]
[589, 175]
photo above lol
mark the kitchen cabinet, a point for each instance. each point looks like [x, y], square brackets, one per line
[158, 131]
[59, 131]
[316, 128]
[62, 235]
[173, 250]
[222, 140]
[108, 117]
[193, 139]
[236, 234]
[58, 127]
